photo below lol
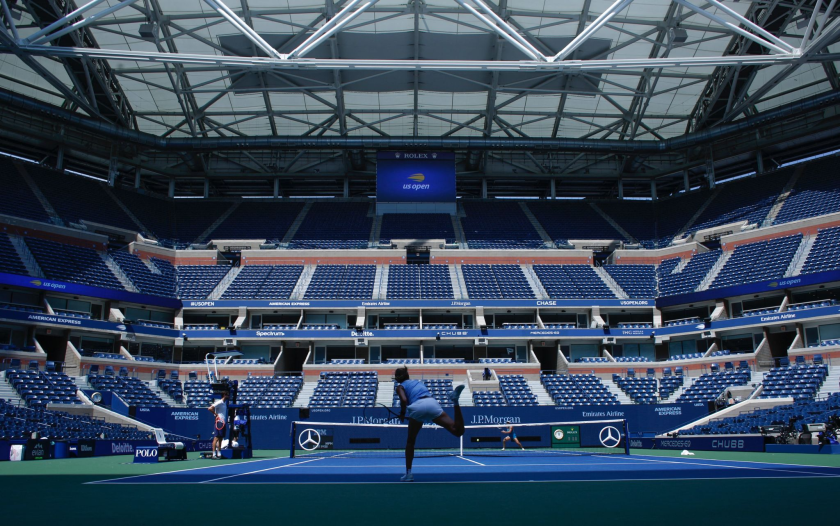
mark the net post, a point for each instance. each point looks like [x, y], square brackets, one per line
[626, 437]
[292, 428]
[461, 445]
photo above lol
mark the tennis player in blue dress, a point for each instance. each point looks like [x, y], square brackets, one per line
[511, 434]
[420, 407]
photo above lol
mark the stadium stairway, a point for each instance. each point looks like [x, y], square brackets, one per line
[698, 213]
[831, 383]
[688, 381]
[616, 391]
[534, 282]
[215, 224]
[715, 270]
[290, 234]
[118, 272]
[459, 286]
[306, 392]
[303, 282]
[460, 237]
[614, 224]
[785, 193]
[380, 282]
[8, 393]
[26, 256]
[126, 210]
[800, 256]
[225, 283]
[536, 224]
[165, 396]
[543, 398]
[611, 283]
[385, 393]
[54, 217]
[375, 230]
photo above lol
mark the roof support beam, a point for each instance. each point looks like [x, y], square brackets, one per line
[73, 27]
[503, 29]
[590, 30]
[332, 26]
[244, 28]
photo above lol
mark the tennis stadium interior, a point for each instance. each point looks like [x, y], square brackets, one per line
[633, 211]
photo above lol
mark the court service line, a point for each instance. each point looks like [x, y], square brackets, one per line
[730, 466]
[185, 470]
[260, 470]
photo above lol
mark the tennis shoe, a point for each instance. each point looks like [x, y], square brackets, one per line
[408, 477]
[456, 394]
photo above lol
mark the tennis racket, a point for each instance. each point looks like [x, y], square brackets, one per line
[379, 413]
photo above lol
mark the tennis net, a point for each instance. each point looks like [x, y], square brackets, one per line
[593, 437]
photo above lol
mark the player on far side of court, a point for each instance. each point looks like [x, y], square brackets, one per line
[511, 435]
[421, 408]
[219, 409]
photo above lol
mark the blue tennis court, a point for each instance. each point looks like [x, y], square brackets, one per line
[348, 469]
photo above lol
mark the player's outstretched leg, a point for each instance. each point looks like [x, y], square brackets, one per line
[414, 428]
[455, 427]
[518, 443]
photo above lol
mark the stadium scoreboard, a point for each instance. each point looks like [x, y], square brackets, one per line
[415, 182]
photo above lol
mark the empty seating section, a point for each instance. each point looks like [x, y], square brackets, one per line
[488, 399]
[257, 220]
[347, 361]
[743, 200]
[638, 281]
[668, 385]
[173, 388]
[637, 218]
[592, 359]
[801, 381]
[815, 193]
[581, 389]
[153, 212]
[691, 276]
[270, 392]
[75, 198]
[825, 253]
[498, 225]
[166, 268]
[346, 282]
[443, 361]
[334, 225]
[564, 220]
[417, 226]
[711, 385]
[759, 261]
[682, 321]
[496, 281]
[192, 217]
[196, 282]
[72, 264]
[39, 388]
[264, 282]
[495, 360]
[516, 391]
[632, 359]
[419, 282]
[141, 275]
[642, 390]
[198, 393]
[133, 391]
[805, 412]
[18, 198]
[572, 281]
[439, 388]
[18, 423]
[10, 262]
[402, 361]
[345, 389]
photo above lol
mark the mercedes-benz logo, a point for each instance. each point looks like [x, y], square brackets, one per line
[559, 434]
[309, 439]
[610, 436]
